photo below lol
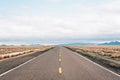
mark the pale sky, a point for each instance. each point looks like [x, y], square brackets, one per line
[55, 21]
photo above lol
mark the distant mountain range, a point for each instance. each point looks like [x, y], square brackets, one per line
[111, 43]
[75, 44]
[85, 44]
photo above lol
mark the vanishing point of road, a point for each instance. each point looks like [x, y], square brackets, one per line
[59, 64]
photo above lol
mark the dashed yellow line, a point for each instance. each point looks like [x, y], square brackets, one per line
[60, 70]
[60, 59]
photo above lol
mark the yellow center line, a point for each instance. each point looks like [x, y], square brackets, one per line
[60, 59]
[60, 70]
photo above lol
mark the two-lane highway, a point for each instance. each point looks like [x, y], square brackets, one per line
[59, 64]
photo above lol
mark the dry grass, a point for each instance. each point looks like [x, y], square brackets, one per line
[12, 49]
[110, 51]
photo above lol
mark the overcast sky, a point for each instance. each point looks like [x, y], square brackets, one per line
[52, 21]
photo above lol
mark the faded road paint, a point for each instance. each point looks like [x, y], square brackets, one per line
[60, 70]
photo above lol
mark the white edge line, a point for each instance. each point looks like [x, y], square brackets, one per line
[97, 64]
[20, 65]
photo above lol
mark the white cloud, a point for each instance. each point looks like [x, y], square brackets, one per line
[97, 21]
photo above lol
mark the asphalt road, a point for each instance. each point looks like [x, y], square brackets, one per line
[59, 64]
[10, 63]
